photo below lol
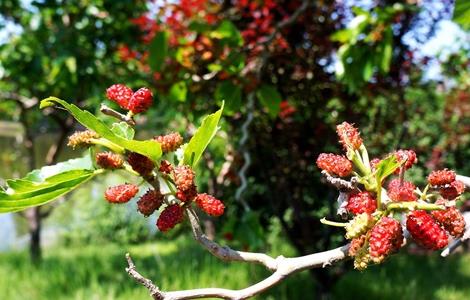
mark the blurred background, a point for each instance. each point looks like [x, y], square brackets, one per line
[288, 72]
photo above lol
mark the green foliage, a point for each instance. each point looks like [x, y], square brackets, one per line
[462, 13]
[228, 33]
[270, 98]
[150, 148]
[158, 50]
[231, 94]
[46, 184]
[385, 168]
[201, 139]
[178, 92]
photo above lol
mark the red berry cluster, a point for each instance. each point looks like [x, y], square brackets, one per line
[374, 200]
[136, 102]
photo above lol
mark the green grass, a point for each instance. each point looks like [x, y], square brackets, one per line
[97, 272]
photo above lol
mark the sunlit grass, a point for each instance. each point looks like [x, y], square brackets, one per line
[97, 272]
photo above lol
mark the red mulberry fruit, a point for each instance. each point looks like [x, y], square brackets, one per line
[140, 163]
[140, 101]
[334, 164]
[120, 94]
[425, 231]
[170, 217]
[349, 136]
[184, 177]
[451, 219]
[385, 237]
[121, 193]
[401, 192]
[362, 202]
[209, 204]
[356, 245]
[169, 142]
[441, 177]
[453, 190]
[187, 195]
[109, 160]
[149, 202]
[407, 157]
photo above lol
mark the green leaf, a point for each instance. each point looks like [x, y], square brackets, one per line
[385, 168]
[201, 139]
[270, 98]
[150, 148]
[178, 92]
[462, 13]
[228, 31]
[46, 184]
[123, 130]
[231, 94]
[158, 50]
[387, 50]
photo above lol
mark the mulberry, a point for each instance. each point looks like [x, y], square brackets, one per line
[120, 94]
[209, 204]
[184, 177]
[170, 217]
[349, 136]
[121, 193]
[407, 157]
[425, 231]
[109, 160]
[441, 177]
[356, 245]
[140, 101]
[401, 191]
[453, 190]
[334, 164]
[451, 219]
[362, 202]
[169, 142]
[385, 237]
[140, 163]
[149, 202]
[187, 195]
[165, 167]
[359, 225]
[82, 138]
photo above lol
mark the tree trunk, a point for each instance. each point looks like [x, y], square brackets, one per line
[33, 216]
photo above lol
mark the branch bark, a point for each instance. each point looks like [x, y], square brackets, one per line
[281, 268]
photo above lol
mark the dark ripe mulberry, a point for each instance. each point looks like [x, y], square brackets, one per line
[170, 217]
[386, 237]
[451, 219]
[441, 177]
[184, 177]
[349, 136]
[140, 101]
[362, 202]
[452, 190]
[209, 204]
[425, 231]
[169, 142]
[121, 193]
[120, 94]
[187, 195]
[109, 160]
[140, 163]
[334, 164]
[149, 202]
[165, 167]
[401, 191]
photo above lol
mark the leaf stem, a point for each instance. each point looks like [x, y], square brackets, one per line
[332, 223]
[105, 143]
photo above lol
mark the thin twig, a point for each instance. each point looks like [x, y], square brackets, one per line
[111, 112]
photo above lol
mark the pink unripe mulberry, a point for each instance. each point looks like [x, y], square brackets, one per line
[109, 160]
[441, 177]
[451, 219]
[407, 157]
[184, 177]
[169, 142]
[349, 136]
[386, 237]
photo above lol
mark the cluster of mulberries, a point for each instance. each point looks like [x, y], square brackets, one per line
[136, 102]
[373, 232]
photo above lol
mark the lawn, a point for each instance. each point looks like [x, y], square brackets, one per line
[97, 272]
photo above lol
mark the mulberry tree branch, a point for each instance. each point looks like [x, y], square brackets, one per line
[281, 268]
